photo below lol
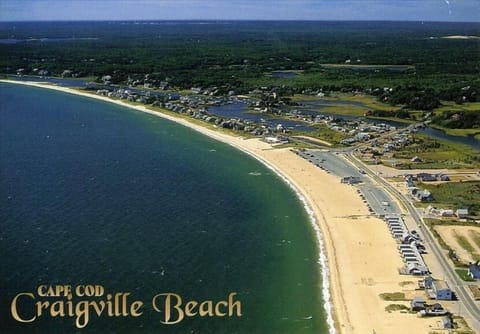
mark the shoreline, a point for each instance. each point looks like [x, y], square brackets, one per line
[348, 238]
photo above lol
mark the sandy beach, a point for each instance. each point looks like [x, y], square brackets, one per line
[362, 257]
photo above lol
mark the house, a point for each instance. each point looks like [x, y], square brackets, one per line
[434, 310]
[416, 269]
[417, 304]
[422, 195]
[446, 212]
[444, 177]
[441, 291]
[474, 270]
[461, 213]
[426, 177]
[411, 177]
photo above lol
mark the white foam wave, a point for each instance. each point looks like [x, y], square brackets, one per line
[322, 258]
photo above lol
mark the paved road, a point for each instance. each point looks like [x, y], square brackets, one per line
[469, 308]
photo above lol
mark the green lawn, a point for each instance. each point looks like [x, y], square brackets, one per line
[462, 273]
[439, 154]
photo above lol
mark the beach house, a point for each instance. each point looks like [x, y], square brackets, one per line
[437, 289]
[417, 304]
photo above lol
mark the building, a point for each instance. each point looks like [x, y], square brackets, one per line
[444, 177]
[426, 177]
[441, 291]
[413, 268]
[422, 195]
[474, 270]
[461, 213]
[417, 304]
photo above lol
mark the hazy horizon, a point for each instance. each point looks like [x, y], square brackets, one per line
[241, 10]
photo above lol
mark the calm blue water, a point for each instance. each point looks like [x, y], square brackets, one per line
[92, 193]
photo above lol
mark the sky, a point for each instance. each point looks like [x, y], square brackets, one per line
[384, 10]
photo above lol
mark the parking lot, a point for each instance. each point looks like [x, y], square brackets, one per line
[375, 197]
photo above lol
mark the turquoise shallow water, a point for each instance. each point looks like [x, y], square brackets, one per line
[92, 193]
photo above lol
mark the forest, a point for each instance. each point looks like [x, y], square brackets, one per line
[415, 64]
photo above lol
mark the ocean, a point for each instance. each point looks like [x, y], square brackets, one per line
[96, 194]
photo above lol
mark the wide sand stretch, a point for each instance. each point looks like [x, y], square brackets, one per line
[363, 260]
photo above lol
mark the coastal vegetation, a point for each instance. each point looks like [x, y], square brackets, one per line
[456, 195]
[393, 296]
[459, 119]
[326, 134]
[396, 307]
[437, 153]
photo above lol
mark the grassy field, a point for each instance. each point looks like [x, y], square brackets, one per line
[344, 110]
[369, 102]
[475, 237]
[439, 154]
[464, 243]
[456, 195]
[449, 106]
[325, 134]
[432, 223]
[458, 132]
[370, 67]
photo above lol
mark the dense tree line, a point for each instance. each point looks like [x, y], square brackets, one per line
[464, 119]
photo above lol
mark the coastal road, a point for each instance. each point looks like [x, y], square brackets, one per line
[469, 308]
